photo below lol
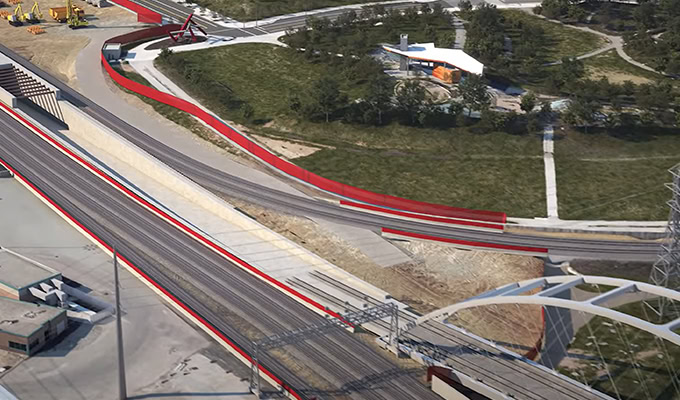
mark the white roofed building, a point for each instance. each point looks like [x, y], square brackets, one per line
[434, 56]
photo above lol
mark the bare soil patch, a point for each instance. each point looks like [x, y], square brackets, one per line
[440, 276]
[56, 50]
[615, 76]
[287, 149]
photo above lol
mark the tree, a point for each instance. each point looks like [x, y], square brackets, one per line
[474, 93]
[484, 37]
[247, 111]
[379, 98]
[581, 112]
[576, 13]
[326, 95]
[465, 6]
[165, 54]
[410, 98]
[644, 16]
[528, 102]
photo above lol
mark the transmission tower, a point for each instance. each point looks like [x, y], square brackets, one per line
[666, 270]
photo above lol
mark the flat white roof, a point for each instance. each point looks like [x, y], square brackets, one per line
[17, 271]
[428, 52]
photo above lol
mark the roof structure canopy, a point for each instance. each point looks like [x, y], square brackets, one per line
[428, 52]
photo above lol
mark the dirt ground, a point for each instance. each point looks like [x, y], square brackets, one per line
[287, 149]
[56, 49]
[439, 275]
[615, 77]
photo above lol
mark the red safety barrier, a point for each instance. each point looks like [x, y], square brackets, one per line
[143, 14]
[287, 167]
[480, 245]
[148, 33]
[422, 217]
[533, 353]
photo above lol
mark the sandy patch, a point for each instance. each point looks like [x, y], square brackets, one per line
[55, 50]
[288, 150]
[614, 76]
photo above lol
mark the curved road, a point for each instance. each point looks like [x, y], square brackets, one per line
[224, 183]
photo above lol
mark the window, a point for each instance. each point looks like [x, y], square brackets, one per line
[17, 346]
[48, 334]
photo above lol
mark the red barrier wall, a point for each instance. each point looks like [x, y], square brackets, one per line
[144, 34]
[143, 14]
[258, 151]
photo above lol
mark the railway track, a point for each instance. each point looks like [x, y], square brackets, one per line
[163, 252]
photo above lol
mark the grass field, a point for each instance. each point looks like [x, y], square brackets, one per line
[450, 166]
[561, 40]
[657, 361]
[615, 176]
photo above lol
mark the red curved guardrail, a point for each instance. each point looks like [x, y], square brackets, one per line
[358, 194]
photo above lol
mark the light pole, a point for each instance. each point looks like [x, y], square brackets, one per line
[122, 389]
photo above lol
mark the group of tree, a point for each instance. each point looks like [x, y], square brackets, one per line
[356, 34]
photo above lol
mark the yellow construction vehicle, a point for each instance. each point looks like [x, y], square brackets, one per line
[74, 17]
[16, 18]
[35, 15]
[61, 14]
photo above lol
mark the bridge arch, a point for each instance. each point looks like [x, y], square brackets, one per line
[550, 287]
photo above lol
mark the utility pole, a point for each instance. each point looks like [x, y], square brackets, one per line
[122, 389]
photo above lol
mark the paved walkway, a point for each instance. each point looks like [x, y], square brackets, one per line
[615, 42]
[549, 166]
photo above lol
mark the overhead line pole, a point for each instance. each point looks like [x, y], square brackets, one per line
[122, 387]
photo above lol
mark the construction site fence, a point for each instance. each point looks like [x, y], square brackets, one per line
[143, 14]
[282, 165]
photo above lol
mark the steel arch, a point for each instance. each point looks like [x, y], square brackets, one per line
[554, 285]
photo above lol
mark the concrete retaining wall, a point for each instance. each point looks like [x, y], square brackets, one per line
[84, 128]
[8, 98]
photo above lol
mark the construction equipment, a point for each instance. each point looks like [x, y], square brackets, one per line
[74, 18]
[16, 18]
[34, 15]
[61, 14]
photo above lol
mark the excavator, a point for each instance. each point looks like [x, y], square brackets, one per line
[74, 18]
[35, 15]
[70, 14]
[16, 18]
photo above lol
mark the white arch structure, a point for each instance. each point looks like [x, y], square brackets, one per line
[555, 285]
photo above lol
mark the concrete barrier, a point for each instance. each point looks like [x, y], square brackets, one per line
[8, 98]
[84, 128]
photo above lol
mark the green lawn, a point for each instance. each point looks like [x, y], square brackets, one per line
[451, 166]
[616, 341]
[561, 40]
[609, 176]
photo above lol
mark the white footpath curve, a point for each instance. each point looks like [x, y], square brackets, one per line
[549, 167]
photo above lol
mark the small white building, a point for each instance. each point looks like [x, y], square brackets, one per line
[435, 56]
[112, 51]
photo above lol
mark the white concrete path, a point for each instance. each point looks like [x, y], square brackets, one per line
[549, 167]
